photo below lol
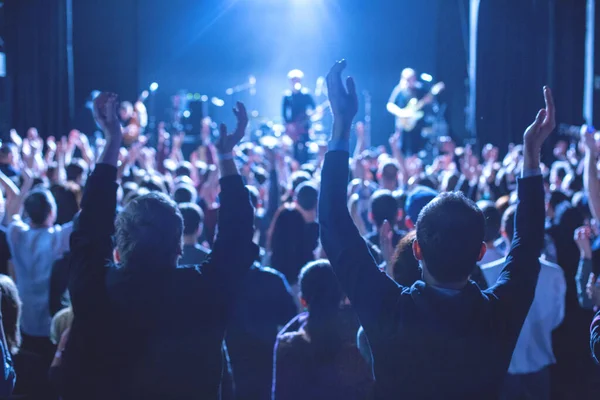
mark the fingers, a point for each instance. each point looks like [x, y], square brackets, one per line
[351, 85]
[334, 77]
[550, 110]
[222, 131]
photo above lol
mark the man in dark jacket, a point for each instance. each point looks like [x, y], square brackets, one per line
[146, 329]
[443, 337]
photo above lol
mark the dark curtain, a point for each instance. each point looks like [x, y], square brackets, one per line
[512, 66]
[37, 65]
[452, 49]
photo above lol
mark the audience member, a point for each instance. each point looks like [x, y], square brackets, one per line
[316, 356]
[133, 321]
[193, 253]
[406, 324]
[529, 372]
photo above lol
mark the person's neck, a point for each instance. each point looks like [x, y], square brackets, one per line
[430, 280]
[490, 244]
[190, 240]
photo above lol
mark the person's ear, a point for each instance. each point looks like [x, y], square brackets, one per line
[503, 234]
[408, 222]
[371, 218]
[400, 214]
[417, 250]
[116, 256]
[482, 251]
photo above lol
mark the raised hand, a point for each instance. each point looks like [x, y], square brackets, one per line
[105, 113]
[343, 99]
[583, 237]
[588, 138]
[227, 142]
[538, 131]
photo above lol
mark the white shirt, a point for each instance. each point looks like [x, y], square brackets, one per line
[33, 251]
[533, 351]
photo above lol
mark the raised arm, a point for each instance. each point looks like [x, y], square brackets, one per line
[590, 171]
[233, 251]
[516, 285]
[350, 258]
[91, 240]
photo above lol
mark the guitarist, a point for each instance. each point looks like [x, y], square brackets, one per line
[408, 89]
[298, 105]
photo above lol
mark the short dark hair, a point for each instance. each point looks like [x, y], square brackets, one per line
[450, 232]
[389, 170]
[307, 196]
[6, 149]
[39, 204]
[75, 170]
[493, 219]
[298, 178]
[557, 197]
[153, 183]
[67, 197]
[508, 221]
[384, 206]
[184, 169]
[406, 267]
[193, 217]
[184, 194]
[149, 231]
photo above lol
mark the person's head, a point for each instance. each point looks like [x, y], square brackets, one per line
[298, 178]
[40, 207]
[383, 207]
[184, 169]
[558, 172]
[125, 110]
[321, 294]
[61, 321]
[11, 313]
[416, 200]
[556, 197]
[154, 183]
[489, 153]
[9, 154]
[307, 196]
[492, 220]
[405, 266]
[409, 77]
[193, 218]
[450, 234]
[184, 194]
[295, 76]
[76, 171]
[388, 174]
[288, 243]
[581, 203]
[67, 197]
[149, 232]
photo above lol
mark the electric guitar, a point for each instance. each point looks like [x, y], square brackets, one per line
[408, 117]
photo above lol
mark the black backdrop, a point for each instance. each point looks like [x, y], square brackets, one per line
[123, 45]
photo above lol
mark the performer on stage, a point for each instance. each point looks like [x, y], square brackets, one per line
[298, 105]
[134, 118]
[408, 102]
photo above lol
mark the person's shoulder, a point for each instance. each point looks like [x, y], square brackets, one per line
[550, 268]
[291, 340]
[287, 93]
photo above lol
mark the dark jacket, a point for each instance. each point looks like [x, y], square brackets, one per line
[151, 332]
[426, 343]
[301, 374]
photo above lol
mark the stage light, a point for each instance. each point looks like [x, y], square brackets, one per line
[217, 102]
[204, 98]
[252, 80]
[186, 114]
[229, 92]
[197, 96]
[297, 86]
[153, 86]
[426, 77]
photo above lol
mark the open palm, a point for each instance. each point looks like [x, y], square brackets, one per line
[227, 142]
